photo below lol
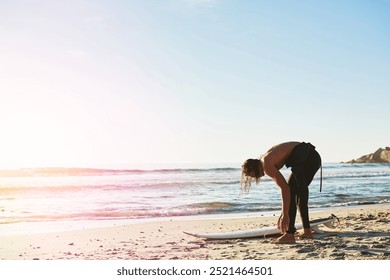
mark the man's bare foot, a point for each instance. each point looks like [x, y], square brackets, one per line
[306, 234]
[287, 238]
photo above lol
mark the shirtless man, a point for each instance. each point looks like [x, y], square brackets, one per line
[304, 161]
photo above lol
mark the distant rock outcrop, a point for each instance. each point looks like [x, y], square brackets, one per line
[380, 156]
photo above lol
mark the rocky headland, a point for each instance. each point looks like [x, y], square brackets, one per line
[379, 156]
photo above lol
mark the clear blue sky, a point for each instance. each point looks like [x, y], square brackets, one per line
[120, 83]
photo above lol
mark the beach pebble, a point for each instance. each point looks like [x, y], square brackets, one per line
[305, 250]
[368, 218]
[365, 253]
[337, 255]
[358, 228]
[313, 254]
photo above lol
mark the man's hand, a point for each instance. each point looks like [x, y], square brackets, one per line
[283, 223]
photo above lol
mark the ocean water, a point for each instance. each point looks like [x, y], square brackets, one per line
[46, 195]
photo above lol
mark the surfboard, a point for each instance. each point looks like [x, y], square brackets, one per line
[265, 231]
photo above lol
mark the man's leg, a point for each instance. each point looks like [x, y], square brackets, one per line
[311, 166]
[303, 198]
[292, 210]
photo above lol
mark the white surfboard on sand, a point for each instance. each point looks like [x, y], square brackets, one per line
[262, 232]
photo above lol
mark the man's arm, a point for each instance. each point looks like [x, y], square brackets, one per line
[278, 178]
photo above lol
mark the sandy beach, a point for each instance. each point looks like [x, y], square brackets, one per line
[363, 233]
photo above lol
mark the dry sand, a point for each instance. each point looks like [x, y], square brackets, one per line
[363, 233]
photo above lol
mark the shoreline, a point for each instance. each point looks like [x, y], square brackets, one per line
[23, 228]
[364, 233]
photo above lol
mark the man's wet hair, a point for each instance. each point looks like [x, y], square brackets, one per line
[250, 172]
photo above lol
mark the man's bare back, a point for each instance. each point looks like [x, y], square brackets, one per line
[278, 154]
